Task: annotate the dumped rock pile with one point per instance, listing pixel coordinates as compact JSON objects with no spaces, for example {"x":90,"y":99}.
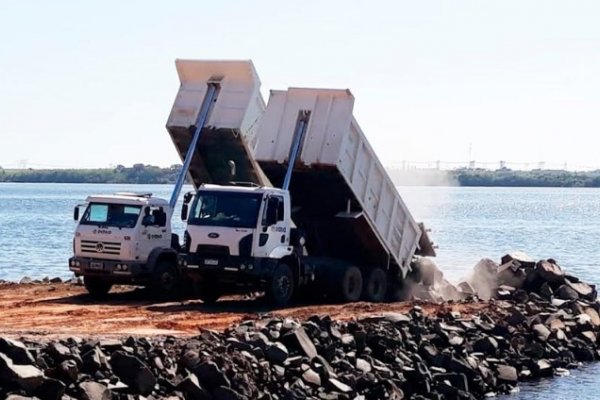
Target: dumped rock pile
{"x":542,"y":327}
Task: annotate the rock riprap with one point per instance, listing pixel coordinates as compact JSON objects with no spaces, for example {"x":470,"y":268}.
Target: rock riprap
{"x":543,"y":324}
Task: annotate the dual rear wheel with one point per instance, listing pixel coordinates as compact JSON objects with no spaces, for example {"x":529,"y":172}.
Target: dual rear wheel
{"x":353,"y":285}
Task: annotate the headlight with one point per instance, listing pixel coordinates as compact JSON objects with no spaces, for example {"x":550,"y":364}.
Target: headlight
{"x":124,"y":267}
{"x":77,"y":264}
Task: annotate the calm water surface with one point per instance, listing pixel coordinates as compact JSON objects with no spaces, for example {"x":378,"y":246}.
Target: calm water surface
{"x":36,"y":229}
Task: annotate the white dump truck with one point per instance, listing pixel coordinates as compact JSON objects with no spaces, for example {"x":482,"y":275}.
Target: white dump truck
{"x":126,"y":238}
{"x":333,"y":224}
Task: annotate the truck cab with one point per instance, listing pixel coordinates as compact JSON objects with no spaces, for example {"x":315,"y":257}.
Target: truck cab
{"x":234,"y":231}
{"x":124,"y":238}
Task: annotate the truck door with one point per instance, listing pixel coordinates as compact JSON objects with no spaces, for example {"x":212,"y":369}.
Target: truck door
{"x":155,"y":231}
{"x":275,"y":231}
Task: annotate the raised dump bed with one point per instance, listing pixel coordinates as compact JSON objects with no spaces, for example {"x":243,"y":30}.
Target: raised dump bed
{"x":342,"y":197}
{"x":230,"y":92}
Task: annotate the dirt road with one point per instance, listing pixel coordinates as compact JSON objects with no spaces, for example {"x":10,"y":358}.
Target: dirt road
{"x":59,"y":310}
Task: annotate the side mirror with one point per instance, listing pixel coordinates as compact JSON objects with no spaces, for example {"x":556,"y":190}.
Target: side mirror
{"x":272,"y":206}
{"x":184,"y":211}
{"x":76,"y":213}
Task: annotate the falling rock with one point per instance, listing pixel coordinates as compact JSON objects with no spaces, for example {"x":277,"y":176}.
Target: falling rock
{"x":484,"y":278}
{"x":27,"y":377}
{"x":549,"y":272}
{"x":16,"y":351}
{"x":276,"y":353}
{"x":133,"y":372}
{"x":94,"y":391}
{"x":511,"y":274}
{"x":507,"y":374}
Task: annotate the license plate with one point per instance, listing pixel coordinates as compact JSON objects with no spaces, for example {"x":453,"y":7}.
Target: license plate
{"x":210,"y":261}
{"x":96,"y":265}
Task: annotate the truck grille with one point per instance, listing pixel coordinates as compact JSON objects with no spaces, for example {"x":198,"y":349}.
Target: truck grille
{"x":208,"y":250}
{"x":96,"y":247}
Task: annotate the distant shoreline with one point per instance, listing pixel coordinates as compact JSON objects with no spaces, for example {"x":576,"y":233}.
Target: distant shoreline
{"x":148,"y":174}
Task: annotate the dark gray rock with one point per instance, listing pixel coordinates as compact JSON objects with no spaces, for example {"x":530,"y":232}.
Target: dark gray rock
{"x":50,"y":389}
{"x":16,"y":351}
{"x":192,"y":389}
{"x":311,"y":377}
{"x":487,"y":345}
{"x":276,"y":353}
{"x":133,"y":372}
{"x":299,"y":340}
{"x":69,"y":370}
{"x":27,"y":377}
{"x":549,"y":272}
{"x":507,"y":373}
{"x":566,"y":292}
{"x":92,"y":360}
{"x":94,"y":391}
{"x":210,"y":375}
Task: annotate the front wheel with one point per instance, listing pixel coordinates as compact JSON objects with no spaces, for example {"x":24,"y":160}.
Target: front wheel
{"x":280,"y":288}
{"x":96,"y":287}
{"x":165,"y":279}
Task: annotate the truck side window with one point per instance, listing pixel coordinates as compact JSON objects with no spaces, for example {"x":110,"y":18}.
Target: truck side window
{"x":280,"y":209}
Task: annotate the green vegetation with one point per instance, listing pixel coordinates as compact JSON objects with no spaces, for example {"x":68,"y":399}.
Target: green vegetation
{"x":140,"y":173}
{"x":534,"y":178}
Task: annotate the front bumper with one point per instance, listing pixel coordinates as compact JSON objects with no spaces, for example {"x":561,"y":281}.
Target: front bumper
{"x":234,"y":269}
{"x":110,"y":269}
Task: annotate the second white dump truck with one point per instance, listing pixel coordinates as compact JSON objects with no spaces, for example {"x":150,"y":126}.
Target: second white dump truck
{"x":126,"y":238}
{"x":333,"y":224}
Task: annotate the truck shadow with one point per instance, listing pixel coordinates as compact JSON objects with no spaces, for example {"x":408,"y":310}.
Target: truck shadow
{"x":143,"y":298}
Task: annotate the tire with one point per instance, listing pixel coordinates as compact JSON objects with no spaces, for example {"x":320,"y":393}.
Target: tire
{"x":165,"y":280}
{"x":280,"y":288}
{"x":209,"y":293}
{"x":376,"y":285}
{"x":350,"y":284}
{"x":96,"y":287}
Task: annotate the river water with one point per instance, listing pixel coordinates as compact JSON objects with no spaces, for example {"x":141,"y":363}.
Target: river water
{"x":467,"y":224}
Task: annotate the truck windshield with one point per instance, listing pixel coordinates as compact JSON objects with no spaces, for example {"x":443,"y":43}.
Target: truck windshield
{"x":106,"y":214}
{"x":229,"y":209}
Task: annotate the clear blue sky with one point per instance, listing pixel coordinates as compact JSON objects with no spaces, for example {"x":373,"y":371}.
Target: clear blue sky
{"x":89,"y":84}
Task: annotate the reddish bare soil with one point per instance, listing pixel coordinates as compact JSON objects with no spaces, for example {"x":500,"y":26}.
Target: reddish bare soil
{"x":57,"y":310}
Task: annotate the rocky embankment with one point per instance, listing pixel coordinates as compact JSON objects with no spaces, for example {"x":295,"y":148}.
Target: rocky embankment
{"x":541,"y":325}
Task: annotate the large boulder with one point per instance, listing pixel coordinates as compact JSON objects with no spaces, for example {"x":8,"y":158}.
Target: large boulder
{"x":133,"y":372}
{"x":27,"y":377}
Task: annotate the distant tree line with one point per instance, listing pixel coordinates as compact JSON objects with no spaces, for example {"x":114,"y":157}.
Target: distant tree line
{"x":533,"y":178}
{"x":140,"y":173}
